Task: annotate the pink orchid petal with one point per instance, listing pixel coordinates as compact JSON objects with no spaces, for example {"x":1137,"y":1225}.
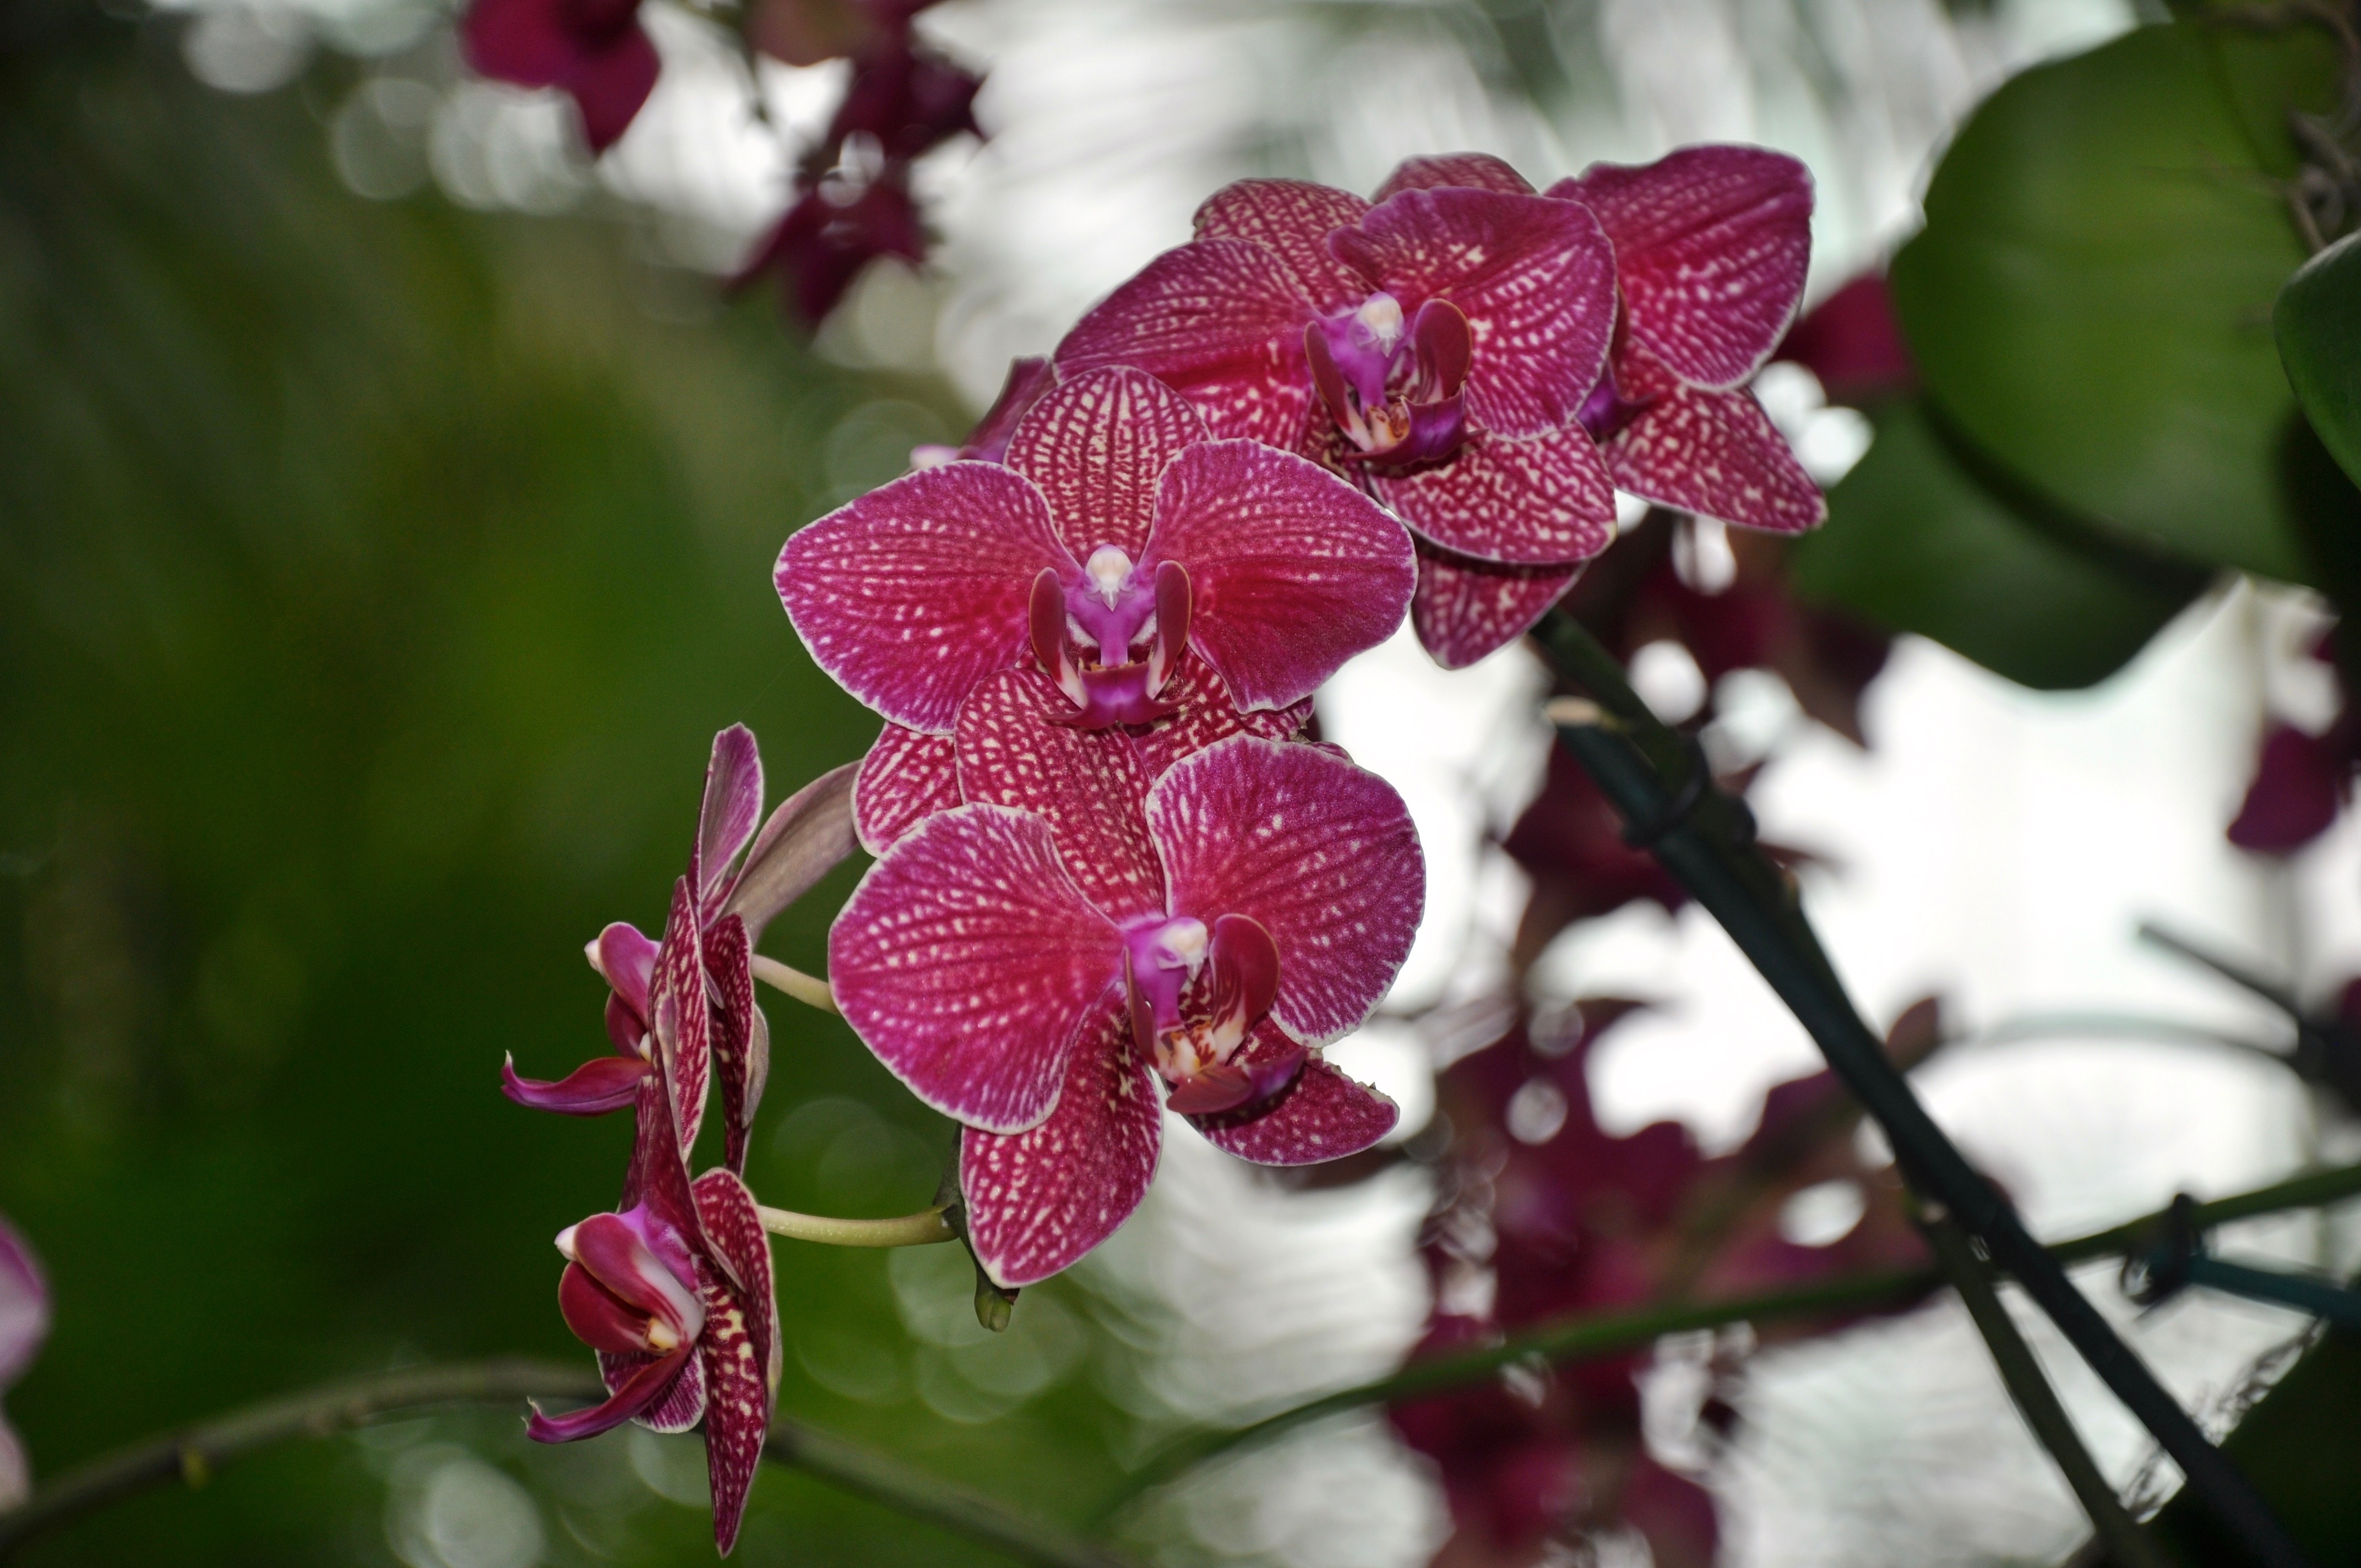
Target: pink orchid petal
{"x":679,"y":1018}
{"x":1292,"y":219}
{"x":1320,"y":852}
{"x":1027,"y":379}
{"x":1711,"y":243}
{"x":599,"y":1318}
{"x":907,"y":776}
{"x":1293,"y":570}
{"x":1322,"y":1115}
{"x":1206,"y":715}
{"x":1096,"y":445}
{"x":1220,"y":322}
{"x":726,"y":820}
{"x":742,"y":1042}
{"x":622,"y":1253}
{"x":597,"y":1087}
{"x":740,"y":1346}
{"x":1717,"y":454}
{"x":626,"y":961}
{"x":1540,"y":501}
{"x":808,"y":835}
{"x":967,"y":961}
{"x":1465,"y":608}
{"x":647,"y":1385}
{"x":612,"y":85}
{"x":1535,"y":281}
{"x":1675,"y":1514}
{"x":678,"y":1409}
{"x":1477,"y":170}
{"x":915,"y":592}
{"x":24,"y":1304}
{"x":1087,"y":784}
{"x":1037,"y":1201}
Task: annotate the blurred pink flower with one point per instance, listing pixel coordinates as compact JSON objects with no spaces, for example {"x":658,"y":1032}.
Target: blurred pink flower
{"x":594,"y":49}
{"x":23,"y":1324}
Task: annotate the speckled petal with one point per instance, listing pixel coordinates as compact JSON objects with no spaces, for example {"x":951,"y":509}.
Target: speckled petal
{"x":1465,"y":608}
{"x":1220,"y":322}
{"x":907,"y":776}
{"x":1291,"y":218}
{"x":967,"y":959}
{"x":1086,"y":783}
{"x":1293,"y":570}
{"x":742,"y":1042}
{"x":1477,"y":170}
{"x":740,"y":1346}
{"x":1096,"y":445}
{"x":732,"y":810}
{"x":1716,"y":453}
{"x":1711,"y":243}
{"x":1207,"y":715}
{"x":1037,"y":1201}
{"x":915,"y":592}
{"x":1322,"y":1115}
{"x":1319,"y":852}
{"x":652,"y":1390}
{"x":685,"y":1033}
{"x":1536,"y":500}
{"x":1535,"y":278}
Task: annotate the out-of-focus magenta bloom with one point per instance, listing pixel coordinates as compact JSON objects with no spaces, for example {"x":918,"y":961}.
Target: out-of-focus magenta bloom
{"x":1033,"y":963}
{"x":2301,"y":781}
{"x":1852,"y":342}
{"x":594,"y":49}
{"x":738,"y":880}
{"x":1438,"y":345}
{"x":23,"y":1324}
{"x":674,"y":1288}
{"x":1118,"y":540}
{"x":835,"y":229}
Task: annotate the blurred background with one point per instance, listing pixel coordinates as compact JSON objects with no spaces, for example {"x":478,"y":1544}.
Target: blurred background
{"x":387,"y":496}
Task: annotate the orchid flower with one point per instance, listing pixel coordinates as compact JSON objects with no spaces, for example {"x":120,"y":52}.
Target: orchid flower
{"x":594,"y":49}
{"x":1034,"y":962}
{"x":1119,"y":540}
{"x":673,"y":1289}
{"x":738,"y":880}
{"x":23,"y":1324}
{"x":1437,"y":345}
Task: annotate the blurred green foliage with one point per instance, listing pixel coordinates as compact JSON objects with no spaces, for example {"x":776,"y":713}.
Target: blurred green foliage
{"x":372,"y":580}
{"x":2318,"y":323}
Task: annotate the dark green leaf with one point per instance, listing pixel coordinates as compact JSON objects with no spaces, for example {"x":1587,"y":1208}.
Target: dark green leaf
{"x":2318,"y":323}
{"x":1920,"y":540}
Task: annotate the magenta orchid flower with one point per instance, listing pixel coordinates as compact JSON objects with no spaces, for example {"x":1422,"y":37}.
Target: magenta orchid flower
{"x":594,"y":49}
{"x":1438,"y":345}
{"x":1033,"y":963}
{"x":1119,"y":540}
{"x":738,"y":880}
{"x":674,"y":1288}
{"x":23,"y":1324}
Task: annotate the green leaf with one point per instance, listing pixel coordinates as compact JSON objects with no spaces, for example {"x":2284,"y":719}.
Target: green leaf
{"x":2318,"y":323}
{"x":2091,"y":295}
{"x":1923,"y":536}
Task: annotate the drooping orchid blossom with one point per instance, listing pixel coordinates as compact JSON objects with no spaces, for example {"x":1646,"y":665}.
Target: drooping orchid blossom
{"x":673,"y":1289}
{"x":594,"y":49}
{"x":1438,"y":345}
{"x":23,"y":1324}
{"x":1118,"y":540}
{"x":738,"y":880}
{"x":1034,"y":962}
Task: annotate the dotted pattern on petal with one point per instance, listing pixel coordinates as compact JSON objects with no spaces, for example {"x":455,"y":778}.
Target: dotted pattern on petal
{"x":915,"y":592}
{"x":1322,"y":852}
{"x":1221,"y":321}
{"x":1206,"y":716}
{"x":1711,"y":245}
{"x":907,"y":776}
{"x":678,"y":1409}
{"x":1322,"y":1115}
{"x":1096,"y":445}
{"x":739,"y":1350}
{"x":1477,"y":170}
{"x":1037,"y":1201}
{"x":966,"y":959}
{"x":1540,"y":501}
{"x":1292,"y":219}
{"x":1293,"y":570}
{"x":1467,"y":609}
{"x":1535,"y":281}
{"x":737,"y":1038}
{"x":731,"y":809}
{"x":680,"y":970}
{"x":1085,"y":784}
{"x":1717,"y":454}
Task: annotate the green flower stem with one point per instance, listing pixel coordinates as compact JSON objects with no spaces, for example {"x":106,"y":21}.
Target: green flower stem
{"x":2128,"y":1546}
{"x":908,"y":1230}
{"x":1651,"y":776}
{"x":192,"y":1454}
{"x":1611,"y":1333}
{"x":807,"y":988}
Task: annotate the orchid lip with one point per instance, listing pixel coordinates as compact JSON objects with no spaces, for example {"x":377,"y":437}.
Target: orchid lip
{"x":1114,"y":606}
{"x":1196,"y":994}
{"x":1394,"y":392}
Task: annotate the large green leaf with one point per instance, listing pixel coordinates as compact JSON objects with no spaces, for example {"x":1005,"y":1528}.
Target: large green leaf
{"x":2089,"y":298}
{"x":2318,"y":323}
{"x":1923,"y":537}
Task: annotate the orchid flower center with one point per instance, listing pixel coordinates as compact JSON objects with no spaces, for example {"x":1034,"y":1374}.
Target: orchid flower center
{"x":630,"y":1283}
{"x":1196,"y":996}
{"x":1393,"y":385}
{"x":1084,"y":631}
